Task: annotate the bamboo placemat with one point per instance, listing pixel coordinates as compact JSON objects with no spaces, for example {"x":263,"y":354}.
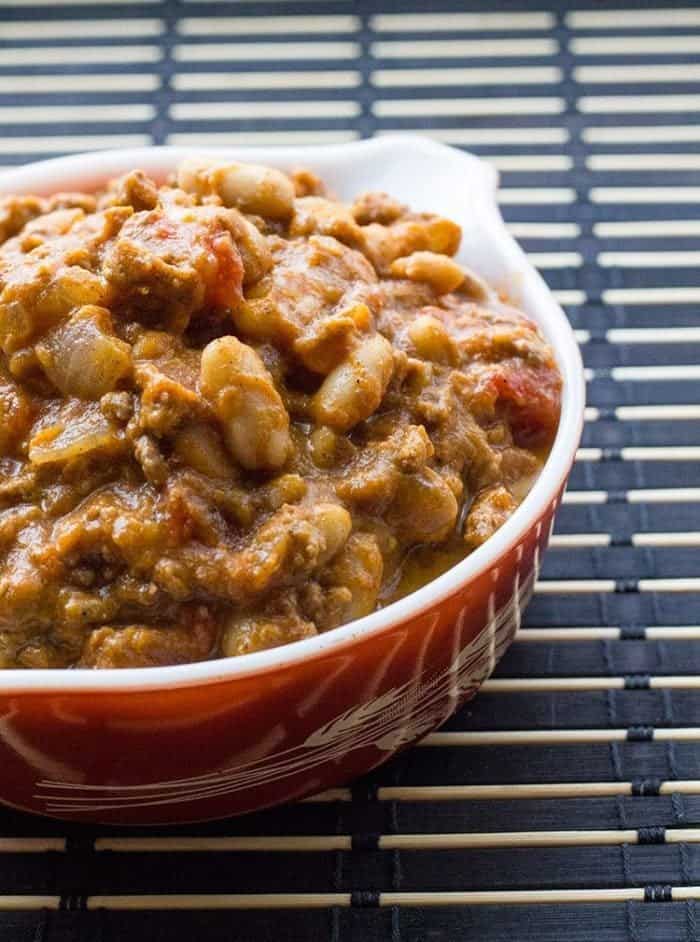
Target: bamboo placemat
{"x":564,"y":803}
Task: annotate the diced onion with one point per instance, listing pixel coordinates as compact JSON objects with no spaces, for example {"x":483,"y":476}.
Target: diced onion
{"x":74,"y":436}
{"x":82,"y":357}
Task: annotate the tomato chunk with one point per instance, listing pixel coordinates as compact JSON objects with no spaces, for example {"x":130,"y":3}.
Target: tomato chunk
{"x":530,"y":397}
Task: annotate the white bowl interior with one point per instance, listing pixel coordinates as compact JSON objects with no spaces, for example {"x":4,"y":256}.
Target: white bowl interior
{"x":429,"y":177}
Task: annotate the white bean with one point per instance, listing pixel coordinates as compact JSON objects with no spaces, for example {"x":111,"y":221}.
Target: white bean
{"x":431,"y":339}
{"x":424,"y":509}
{"x":254,"y":420}
{"x":443,"y":274}
{"x":251,"y":243}
{"x":244,"y":634}
{"x":334,"y":524}
{"x":200,"y":447}
{"x":358,"y":568}
{"x":474,"y":286}
{"x":252,"y":188}
{"x":353,"y":390}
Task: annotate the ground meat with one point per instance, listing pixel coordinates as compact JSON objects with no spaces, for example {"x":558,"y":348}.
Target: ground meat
{"x":85,"y":201}
{"x":153,"y":464}
{"x":247,"y":633}
{"x":377,"y":207}
{"x":166,"y":266}
{"x":307,"y":183}
{"x":133,"y":189}
{"x":235,"y":413}
{"x":16,"y":212}
{"x":152,"y":645}
{"x":315,"y":300}
{"x":490,"y":510}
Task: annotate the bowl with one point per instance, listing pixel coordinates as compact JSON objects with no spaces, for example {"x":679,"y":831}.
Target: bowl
{"x":212,"y":739}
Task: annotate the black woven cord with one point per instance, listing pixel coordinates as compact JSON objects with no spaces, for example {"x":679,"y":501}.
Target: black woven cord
{"x":658,"y":894}
{"x":640,"y":734}
{"x":73,"y":902}
{"x":365,"y":841}
{"x":364,"y":791}
{"x":80,"y":843}
{"x":637,"y":682}
{"x":606,"y":415}
{"x":646,"y":786}
{"x":652,"y":835}
{"x":626,"y":586}
{"x":364,"y":899}
{"x":75,"y":864}
{"x":632,"y":633}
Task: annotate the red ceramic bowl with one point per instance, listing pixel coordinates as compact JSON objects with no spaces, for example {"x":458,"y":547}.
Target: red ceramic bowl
{"x":207,"y":740}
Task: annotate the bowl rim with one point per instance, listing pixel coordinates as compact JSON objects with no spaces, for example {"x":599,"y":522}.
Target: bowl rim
{"x":44,"y":176}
